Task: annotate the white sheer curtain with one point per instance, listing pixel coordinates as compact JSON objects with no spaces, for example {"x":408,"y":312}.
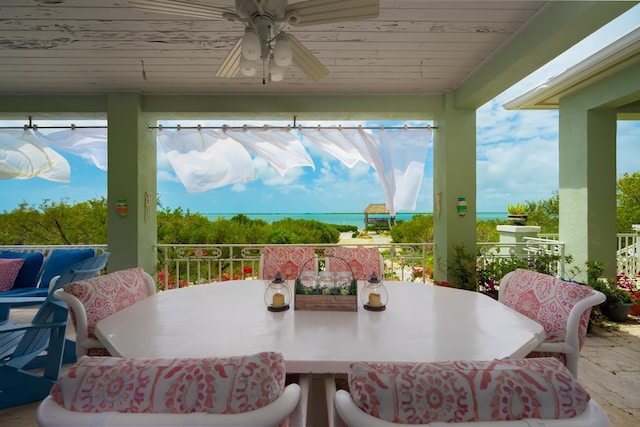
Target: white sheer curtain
{"x":90,"y":143}
{"x":280,"y":147}
{"x":397,"y":155}
{"x":204,"y":158}
{"x":31,"y":153}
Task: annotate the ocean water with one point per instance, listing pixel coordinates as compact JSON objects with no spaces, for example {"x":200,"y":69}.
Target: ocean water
{"x":340,"y":218}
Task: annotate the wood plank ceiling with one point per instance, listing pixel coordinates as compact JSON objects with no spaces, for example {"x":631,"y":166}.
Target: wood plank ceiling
{"x":79,"y":46}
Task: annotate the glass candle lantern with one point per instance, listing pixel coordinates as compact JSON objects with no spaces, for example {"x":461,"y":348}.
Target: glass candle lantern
{"x":374,"y":295}
{"x":277,"y":296}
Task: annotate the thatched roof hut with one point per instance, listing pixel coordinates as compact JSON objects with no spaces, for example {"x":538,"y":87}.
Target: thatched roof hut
{"x":378,"y":215}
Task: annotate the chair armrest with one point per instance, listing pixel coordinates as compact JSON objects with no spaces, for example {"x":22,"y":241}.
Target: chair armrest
{"x":21,"y":300}
{"x":78,"y":311}
{"x":573,"y":321}
{"x":351,"y":414}
{"x":15,"y":327}
{"x":52,"y":414}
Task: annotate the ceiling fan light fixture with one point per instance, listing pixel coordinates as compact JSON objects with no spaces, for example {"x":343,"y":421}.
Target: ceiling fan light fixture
{"x":251,"y":47}
{"x":247,"y":68}
{"x":282,"y":54}
{"x":276,"y":72}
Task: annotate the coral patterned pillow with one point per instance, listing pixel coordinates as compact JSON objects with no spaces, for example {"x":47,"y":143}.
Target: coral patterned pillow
{"x":104,"y":295}
{"x":464,"y":391}
{"x":185,"y":385}
{"x":9,"y":269}
{"x":361,"y":261}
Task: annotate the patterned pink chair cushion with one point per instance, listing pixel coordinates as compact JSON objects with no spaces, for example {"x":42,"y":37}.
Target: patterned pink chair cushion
{"x":362,"y":261}
{"x":222,"y":386}
{"x":104,"y":295}
{"x":9,"y":269}
{"x":288,"y":260}
{"x":547,"y":300}
{"x":465,"y":391}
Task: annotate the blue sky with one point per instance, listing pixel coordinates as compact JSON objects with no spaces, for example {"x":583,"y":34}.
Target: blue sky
{"x":528,"y":139}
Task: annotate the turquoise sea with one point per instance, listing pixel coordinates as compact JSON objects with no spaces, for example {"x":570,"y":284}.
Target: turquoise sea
{"x":341,"y":218}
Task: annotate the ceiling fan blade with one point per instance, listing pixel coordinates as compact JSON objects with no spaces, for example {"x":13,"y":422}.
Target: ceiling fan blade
{"x":313,"y":12}
{"x":304,"y":59}
{"x":231,"y":64}
{"x":183,"y":8}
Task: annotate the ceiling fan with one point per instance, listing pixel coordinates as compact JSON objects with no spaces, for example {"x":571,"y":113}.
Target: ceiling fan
{"x":264,"y":40}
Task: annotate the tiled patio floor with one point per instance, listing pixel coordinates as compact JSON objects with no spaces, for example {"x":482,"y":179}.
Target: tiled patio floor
{"x":609,"y":369}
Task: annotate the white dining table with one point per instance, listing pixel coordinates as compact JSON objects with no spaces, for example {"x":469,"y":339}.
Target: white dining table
{"x":422,"y":322}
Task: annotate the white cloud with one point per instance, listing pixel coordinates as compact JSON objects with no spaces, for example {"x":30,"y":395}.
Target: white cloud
{"x":167,"y":176}
{"x":517,"y":156}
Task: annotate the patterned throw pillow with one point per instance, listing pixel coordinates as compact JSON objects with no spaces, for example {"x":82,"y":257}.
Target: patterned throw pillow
{"x":9,"y":269}
{"x":227,"y":385}
{"x":467,"y":391}
{"x":30,"y":271}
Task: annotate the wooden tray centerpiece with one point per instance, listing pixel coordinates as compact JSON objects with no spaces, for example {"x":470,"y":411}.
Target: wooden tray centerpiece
{"x":317,"y":297}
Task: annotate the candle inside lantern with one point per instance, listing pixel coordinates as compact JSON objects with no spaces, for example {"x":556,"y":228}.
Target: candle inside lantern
{"x":278,"y":300}
{"x":374,"y":300}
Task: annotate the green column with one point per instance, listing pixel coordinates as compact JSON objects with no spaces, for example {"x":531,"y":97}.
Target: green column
{"x":454,"y":177}
{"x":132,"y":180}
{"x":587,"y":189}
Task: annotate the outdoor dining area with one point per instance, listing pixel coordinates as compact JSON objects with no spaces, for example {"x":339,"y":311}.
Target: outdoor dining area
{"x":255,"y":352}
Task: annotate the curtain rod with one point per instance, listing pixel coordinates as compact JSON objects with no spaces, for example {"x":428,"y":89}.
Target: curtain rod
{"x":36,"y":127}
{"x":289,"y":127}
{"x":223,"y":127}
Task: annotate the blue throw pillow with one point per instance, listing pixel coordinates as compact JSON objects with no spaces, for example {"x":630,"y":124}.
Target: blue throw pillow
{"x":30,"y":271}
{"x":61,"y":259}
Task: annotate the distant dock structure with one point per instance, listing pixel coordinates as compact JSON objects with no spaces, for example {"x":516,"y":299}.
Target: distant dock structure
{"x":378,"y":216}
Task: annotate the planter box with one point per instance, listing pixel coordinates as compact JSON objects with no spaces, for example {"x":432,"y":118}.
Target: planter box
{"x":325,"y":302}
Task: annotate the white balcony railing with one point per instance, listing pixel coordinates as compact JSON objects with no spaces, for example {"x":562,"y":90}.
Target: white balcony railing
{"x":181,"y":265}
{"x":627,"y":254}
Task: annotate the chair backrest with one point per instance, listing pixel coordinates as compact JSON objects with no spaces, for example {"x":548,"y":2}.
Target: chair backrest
{"x":80,"y":271}
{"x":53,"y":311}
{"x":362,"y":261}
{"x":92,"y":300}
{"x":550,"y":301}
{"x":237,"y":390}
{"x":59,"y":261}
{"x":288,"y":260}
{"x":467,"y":391}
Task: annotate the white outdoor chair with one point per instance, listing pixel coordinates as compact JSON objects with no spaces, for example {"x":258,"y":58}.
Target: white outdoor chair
{"x":288,"y":260}
{"x":498,"y":393}
{"x":562,"y":308}
{"x":231,"y":391}
{"x":94,"y":299}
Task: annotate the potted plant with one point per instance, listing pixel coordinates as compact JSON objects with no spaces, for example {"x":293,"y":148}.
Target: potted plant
{"x":517,"y":214}
{"x":622,"y":293}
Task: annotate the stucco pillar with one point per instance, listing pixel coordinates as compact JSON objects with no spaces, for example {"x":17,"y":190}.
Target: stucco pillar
{"x":454,"y":176}
{"x":132,"y":178}
{"x":587,"y":189}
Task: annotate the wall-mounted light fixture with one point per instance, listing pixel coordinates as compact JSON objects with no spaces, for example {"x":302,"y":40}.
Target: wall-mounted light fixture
{"x":462,"y":206}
